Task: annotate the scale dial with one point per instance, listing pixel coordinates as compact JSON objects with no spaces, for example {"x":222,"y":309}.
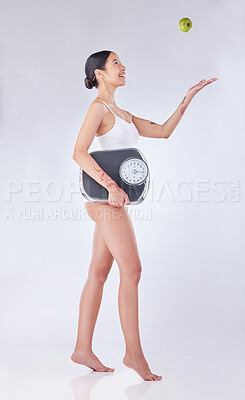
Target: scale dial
{"x":133,"y":171}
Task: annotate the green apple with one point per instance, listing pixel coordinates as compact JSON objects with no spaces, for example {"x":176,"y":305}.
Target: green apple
{"x":185,"y":24}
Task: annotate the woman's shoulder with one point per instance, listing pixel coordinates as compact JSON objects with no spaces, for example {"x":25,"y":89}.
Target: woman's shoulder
{"x":97,"y":106}
{"x":101,"y":104}
{"x":97,"y":103}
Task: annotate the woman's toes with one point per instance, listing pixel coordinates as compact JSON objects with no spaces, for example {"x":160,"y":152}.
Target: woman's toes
{"x":157,"y":377}
{"x":106,"y":369}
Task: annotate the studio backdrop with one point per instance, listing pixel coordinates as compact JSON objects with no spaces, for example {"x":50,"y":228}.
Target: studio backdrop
{"x":189,"y":228}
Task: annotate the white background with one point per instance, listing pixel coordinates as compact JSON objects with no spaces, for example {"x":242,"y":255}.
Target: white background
{"x":191,"y":293}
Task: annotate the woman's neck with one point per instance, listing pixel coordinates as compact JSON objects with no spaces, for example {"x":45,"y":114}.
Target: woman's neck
{"x":107,"y":96}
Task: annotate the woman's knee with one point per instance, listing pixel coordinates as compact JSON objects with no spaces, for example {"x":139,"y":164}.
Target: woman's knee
{"x":99,"y":273}
{"x":131,"y":273}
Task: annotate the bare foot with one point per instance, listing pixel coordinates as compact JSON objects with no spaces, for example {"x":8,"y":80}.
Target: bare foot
{"x":90,"y":360}
{"x":140,"y":365}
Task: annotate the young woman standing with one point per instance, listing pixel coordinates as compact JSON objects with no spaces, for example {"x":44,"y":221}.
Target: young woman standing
{"x":114,"y":236}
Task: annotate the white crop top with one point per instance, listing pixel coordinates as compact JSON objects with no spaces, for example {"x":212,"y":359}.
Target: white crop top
{"x":123,"y":134}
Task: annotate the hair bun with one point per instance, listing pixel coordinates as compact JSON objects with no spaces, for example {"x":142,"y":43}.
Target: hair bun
{"x":88,"y":83}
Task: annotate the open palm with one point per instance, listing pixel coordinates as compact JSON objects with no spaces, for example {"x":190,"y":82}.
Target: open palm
{"x":195,"y":89}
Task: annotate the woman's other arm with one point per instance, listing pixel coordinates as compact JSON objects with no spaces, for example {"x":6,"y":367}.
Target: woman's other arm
{"x":150,"y":129}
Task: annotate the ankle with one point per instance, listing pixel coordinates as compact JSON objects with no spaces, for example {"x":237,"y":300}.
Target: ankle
{"x":80,"y":348}
{"x":134,"y":352}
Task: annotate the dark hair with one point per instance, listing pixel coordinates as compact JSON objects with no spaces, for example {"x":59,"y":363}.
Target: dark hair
{"x":95,"y":61}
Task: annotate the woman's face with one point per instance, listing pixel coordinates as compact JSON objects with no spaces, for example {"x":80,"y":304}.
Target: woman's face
{"x":113,"y":69}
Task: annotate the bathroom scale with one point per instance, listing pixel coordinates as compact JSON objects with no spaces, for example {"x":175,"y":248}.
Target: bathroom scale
{"x":127,"y":167}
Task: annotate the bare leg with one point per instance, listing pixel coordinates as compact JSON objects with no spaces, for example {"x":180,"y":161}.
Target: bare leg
{"x":118,"y":233}
{"x":90,"y":301}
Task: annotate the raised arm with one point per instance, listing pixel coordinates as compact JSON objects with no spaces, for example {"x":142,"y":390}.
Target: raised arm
{"x":150,"y":129}
{"x":85,"y":137}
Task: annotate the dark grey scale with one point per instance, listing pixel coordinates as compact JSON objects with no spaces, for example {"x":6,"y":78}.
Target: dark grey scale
{"x":127,"y":167}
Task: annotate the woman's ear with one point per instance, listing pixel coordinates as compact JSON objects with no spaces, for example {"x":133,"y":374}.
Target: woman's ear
{"x":98,"y":74}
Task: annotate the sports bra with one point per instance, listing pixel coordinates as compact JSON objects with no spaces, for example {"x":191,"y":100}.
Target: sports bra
{"x":123,"y":134}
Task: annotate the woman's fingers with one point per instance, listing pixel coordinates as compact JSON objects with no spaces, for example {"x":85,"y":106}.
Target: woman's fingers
{"x":210,"y":81}
{"x":127,"y":200}
{"x":204,"y":82}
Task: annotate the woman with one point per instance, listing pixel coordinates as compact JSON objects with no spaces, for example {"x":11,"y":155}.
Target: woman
{"x":114,"y":236}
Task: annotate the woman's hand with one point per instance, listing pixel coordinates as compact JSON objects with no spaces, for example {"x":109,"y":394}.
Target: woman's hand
{"x":117,"y":197}
{"x":195,"y":89}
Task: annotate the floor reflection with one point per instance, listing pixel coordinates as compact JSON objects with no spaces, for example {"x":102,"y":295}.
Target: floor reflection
{"x":82,"y":386}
